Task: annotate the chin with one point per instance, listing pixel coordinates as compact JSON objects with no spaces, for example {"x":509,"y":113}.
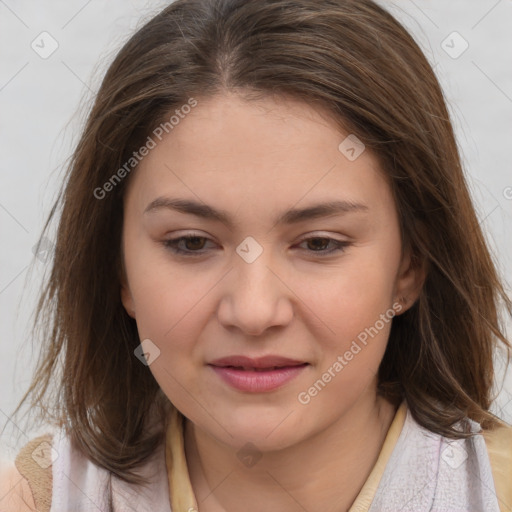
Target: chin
{"x":268,"y":432}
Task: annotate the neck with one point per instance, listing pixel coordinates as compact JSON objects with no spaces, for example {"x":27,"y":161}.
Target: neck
{"x":305,"y":476}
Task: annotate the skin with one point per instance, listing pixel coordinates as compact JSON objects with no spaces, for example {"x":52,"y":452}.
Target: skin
{"x":255,"y":160}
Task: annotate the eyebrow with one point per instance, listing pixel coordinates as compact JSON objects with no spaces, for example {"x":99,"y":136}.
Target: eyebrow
{"x":292,"y":216}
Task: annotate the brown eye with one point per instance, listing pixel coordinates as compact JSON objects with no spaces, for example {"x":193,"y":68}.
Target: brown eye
{"x":319,"y":245}
{"x":192,"y":246}
{"x":194,"y":242}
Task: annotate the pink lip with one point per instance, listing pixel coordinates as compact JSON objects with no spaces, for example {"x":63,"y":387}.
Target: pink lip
{"x":259,"y":374}
{"x":256,"y":362}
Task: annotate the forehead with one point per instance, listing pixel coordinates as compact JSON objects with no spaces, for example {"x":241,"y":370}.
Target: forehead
{"x":268,"y":152}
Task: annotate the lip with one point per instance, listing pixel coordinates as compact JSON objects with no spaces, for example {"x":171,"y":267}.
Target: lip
{"x":265,"y":362}
{"x":257,"y":375}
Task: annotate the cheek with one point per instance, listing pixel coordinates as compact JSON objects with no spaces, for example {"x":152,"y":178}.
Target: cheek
{"x":173,"y":306}
{"x":170,"y":309}
{"x":355,"y":297}
{"x":163,"y":292}
{"x":171,"y":314}
{"x":357,"y":311}
{"x":354,"y":306}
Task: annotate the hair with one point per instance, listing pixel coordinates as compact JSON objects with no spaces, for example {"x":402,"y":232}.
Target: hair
{"x":356,"y":61}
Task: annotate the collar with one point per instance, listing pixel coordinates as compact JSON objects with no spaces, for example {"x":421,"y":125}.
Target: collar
{"x":182,"y":496}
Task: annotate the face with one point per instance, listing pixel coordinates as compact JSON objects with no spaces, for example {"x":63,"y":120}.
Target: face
{"x":261,"y":274}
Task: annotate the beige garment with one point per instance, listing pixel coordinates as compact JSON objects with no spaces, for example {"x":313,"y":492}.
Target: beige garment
{"x":182,"y":494}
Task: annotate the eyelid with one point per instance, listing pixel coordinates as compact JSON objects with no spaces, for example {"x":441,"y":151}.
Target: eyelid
{"x":316,"y":234}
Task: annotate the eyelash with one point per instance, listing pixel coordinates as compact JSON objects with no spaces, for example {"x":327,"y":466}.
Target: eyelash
{"x":172,"y":245}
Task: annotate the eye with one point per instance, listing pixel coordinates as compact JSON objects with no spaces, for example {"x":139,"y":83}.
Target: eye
{"x":320,"y":243}
{"x":193,"y":245}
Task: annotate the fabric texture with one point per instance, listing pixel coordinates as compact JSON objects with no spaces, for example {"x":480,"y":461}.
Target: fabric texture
{"x":34,"y":463}
{"x":367,"y":493}
{"x":80,"y":485}
{"x":415,"y":471}
{"x":428,"y":472}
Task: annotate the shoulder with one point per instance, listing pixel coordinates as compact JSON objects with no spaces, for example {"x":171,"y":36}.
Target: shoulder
{"x":26,"y":484}
{"x":499,"y":444}
{"x":499,"y":448}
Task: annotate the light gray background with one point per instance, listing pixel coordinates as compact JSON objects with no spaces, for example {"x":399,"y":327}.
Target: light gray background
{"x":40,"y":121}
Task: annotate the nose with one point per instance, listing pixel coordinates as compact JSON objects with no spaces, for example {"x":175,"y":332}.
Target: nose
{"x":255,"y":298}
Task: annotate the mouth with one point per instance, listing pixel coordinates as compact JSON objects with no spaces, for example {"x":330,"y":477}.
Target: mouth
{"x":257,"y":375}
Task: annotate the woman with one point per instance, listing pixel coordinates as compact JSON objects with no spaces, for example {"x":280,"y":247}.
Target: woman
{"x":328,"y":343}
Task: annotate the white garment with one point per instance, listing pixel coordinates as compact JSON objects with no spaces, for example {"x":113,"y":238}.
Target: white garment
{"x":426,"y":472}
{"x":81,"y":486}
{"x":429,"y":472}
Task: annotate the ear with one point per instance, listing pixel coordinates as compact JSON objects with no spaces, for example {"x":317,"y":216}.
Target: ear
{"x":126,"y":294}
{"x":127,"y":300}
{"x":409,"y":281}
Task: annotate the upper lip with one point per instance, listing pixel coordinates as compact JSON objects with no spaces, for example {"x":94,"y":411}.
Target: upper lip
{"x":269,"y":361}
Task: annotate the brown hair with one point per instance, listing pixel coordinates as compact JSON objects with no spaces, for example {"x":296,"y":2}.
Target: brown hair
{"x":349,"y":56}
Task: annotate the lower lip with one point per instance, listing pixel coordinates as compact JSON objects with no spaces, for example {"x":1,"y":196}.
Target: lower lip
{"x":258,"y":382}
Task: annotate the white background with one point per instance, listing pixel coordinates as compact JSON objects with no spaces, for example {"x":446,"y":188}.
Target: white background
{"x":40,"y":121}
